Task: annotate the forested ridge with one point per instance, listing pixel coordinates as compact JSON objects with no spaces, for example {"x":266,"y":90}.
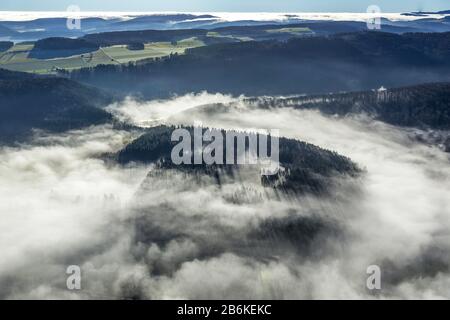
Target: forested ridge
{"x":344,"y":62}
{"x":305,"y":167}
{"x":55,"y":104}
{"x":424,"y":106}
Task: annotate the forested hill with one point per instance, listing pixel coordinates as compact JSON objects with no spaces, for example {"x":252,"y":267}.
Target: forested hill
{"x":5,"y":45}
{"x":306,"y":167}
{"x":13,"y":75}
{"x":345,"y":62}
{"x":423,"y":106}
{"x":55,"y":104}
{"x":127,"y":37}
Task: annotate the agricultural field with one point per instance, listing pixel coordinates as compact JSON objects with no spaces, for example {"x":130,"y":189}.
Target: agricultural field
{"x":214,"y":34}
{"x":294,"y":31}
{"x":17,"y":58}
{"x":120,"y":53}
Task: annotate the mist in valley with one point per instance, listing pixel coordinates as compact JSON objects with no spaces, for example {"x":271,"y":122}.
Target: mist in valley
{"x":167,"y":236}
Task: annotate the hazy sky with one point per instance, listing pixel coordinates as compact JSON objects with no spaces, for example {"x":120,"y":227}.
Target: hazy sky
{"x":227,"y":5}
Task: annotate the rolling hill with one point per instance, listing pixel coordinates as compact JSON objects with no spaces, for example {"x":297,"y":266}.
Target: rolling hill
{"x":54,"y":104}
{"x":344,"y":62}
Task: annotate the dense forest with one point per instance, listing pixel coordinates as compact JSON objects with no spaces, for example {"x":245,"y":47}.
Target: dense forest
{"x":61,"y":47}
{"x":5,"y":45}
{"x":306,"y":168}
{"x":344,"y":62}
{"x":54,"y":104}
{"x":15,"y":75}
{"x":423,"y":106}
{"x":63,"y":44}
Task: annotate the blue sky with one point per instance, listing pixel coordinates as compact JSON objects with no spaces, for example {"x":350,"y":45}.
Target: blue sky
{"x":227,"y":5}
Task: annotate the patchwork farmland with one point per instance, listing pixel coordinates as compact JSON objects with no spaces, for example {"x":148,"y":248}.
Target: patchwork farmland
{"x":18,"y":57}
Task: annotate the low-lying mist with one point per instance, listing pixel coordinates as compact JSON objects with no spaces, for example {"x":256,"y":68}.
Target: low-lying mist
{"x":167,"y":236}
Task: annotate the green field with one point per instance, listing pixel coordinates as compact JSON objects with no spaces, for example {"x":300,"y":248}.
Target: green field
{"x":17,"y":59}
{"x":214,"y":34}
{"x":121,"y":54}
{"x":295,"y":31}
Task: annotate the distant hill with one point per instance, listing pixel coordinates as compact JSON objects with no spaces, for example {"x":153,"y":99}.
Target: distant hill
{"x":47,"y":27}
{"x":431,"y":12}
{"x":163,"y":19}
{"x":306,"y":168}
{"x":56,"y":27}
{"x":258,"y":31}
{"x":6,"y":32}
{"x":53,"y":104}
